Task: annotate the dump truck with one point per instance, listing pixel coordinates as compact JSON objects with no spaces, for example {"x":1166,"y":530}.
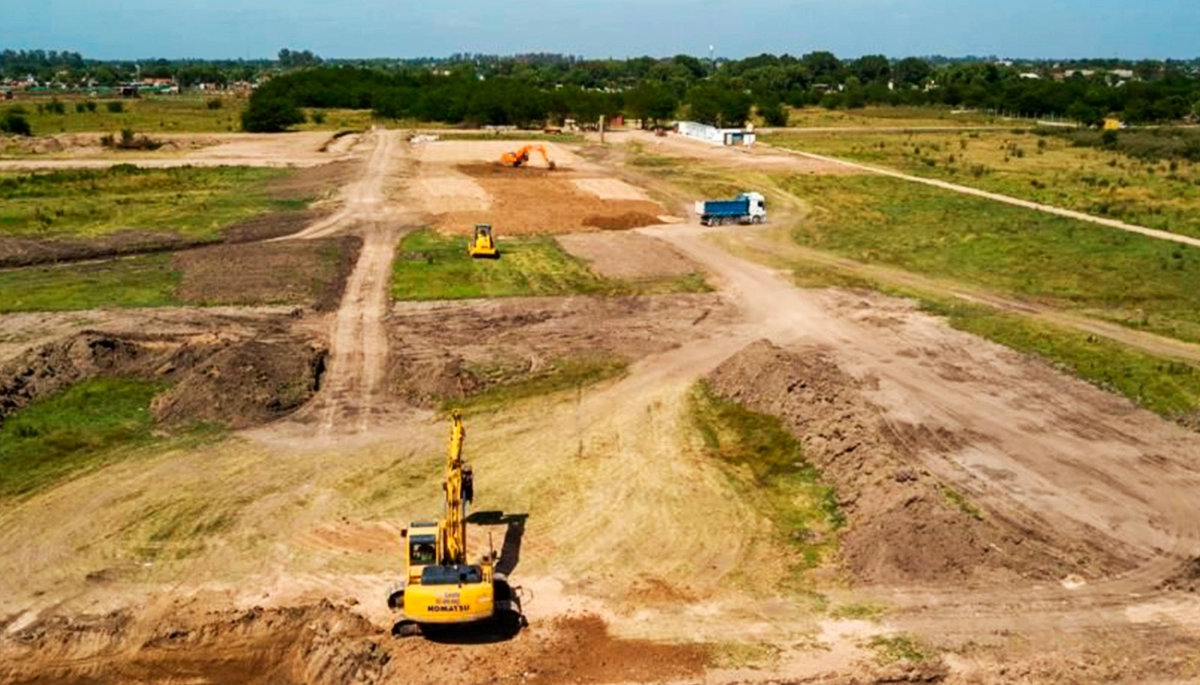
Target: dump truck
{"x":441,"y":586}
{"x":747,"y":208}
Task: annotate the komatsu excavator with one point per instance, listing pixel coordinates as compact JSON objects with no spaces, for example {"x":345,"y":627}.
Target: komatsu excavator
{"x":521,"y":157}
{"x":441,"y":587}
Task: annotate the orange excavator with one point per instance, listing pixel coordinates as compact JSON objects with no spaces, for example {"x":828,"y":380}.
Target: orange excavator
{"x":521,"y":157}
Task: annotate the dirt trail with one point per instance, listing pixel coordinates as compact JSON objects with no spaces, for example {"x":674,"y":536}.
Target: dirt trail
{"x":354,"y":386}
{"x":774,"y":245}
{"x":1030,"y":442}
{"x":965,"y":190}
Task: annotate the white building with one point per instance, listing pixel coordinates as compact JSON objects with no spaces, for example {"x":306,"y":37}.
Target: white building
{"x":718,"y":136}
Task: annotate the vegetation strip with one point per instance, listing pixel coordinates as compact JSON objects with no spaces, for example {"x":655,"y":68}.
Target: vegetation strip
{"x":767,"y":465}
{"x":72,"y":430}
{"x":435,"y":267}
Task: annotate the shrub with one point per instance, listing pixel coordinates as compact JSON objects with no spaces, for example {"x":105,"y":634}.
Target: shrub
{"x":115,"y":107}
{"x":317,"y":118}
{"x":215,"y":103}
{"x":90,"y":105}
{"x":56,"y":107}
{"x":80,"y":108}
{"x":15,"y":124}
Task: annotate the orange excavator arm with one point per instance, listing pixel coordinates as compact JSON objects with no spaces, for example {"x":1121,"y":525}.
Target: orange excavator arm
{"x":520,"y":157}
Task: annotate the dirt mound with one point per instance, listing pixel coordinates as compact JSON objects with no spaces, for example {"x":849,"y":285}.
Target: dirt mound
{"x":903,"y":524}
{"x":487,"y":170}
{"x":219,"y":378}
{"x":312,"y":644}
{"x":17,"y":252}
{"x":324,"y":643}
{"x":245,"y":385}
{"x":622,"y":222}
{"x":1186,"y":578}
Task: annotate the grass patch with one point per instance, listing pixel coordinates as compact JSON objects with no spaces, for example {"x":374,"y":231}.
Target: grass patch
{"x":148,"y":115}
{"x":767,"y":465}
{"x":73,"y":430}
{"x":888,"y":117}
{"x":148,"y":281}
{"x":436,"y":267}
{"x":566,"y":373}
{"x":1103,"y":273}
{"x":1166,"y":387}
{"x":959,"y":501}
{"x":1138,"y":187}
{"x":858,"y":612}
{"x":191,"y":202}
{"x":893,"y":649}
{"x":738,"y":655}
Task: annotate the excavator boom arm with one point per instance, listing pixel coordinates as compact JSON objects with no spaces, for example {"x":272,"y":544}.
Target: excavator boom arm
{"x":452,"y":542}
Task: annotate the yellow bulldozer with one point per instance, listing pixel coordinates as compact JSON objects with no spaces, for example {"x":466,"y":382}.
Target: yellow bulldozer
{"x":520,"y":157}
{"x":483,"y":245}
{"x":441,"y":587}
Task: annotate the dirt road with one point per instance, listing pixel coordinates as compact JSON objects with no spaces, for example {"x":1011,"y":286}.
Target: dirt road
{"x":354,"y":384}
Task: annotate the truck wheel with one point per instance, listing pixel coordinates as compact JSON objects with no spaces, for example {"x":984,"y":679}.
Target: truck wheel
{"x":756,"y":220}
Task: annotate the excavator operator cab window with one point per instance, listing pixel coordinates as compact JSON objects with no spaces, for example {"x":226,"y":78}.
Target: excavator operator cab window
{"x":421,"y":550}
{"x":451,"y":575}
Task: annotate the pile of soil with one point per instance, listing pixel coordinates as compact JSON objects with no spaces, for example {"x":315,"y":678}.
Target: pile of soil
{"x":17,"y":252}
{"x":1186,"y":578}
{"x":324,"y":643}
{"x":904,"y":526}
{"x":622,"y":222}
{"x":312,"y":644}
{"x":238,"y":382}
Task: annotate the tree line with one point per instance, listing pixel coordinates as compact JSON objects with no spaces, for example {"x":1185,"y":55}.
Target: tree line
{"x":546,"y":90}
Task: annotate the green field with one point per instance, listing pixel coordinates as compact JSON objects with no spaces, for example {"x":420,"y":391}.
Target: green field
{"x":1129,"y":279}
{"x":887,"y":117}
{"x":164,"y":114}
{"x":435,"y":267}
{"x":147,"y":281}
{"x":556,"y":375}
{"x":73,"y":430}
{"x":192,"y":202}
{"x":1162,"y":194}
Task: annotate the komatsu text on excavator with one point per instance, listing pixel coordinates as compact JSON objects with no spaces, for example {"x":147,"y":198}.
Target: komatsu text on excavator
{"x":441,"y":586}
{"x":521,"y":157}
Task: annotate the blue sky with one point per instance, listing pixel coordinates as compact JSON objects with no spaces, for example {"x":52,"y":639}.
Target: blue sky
{"x":612,"y":28}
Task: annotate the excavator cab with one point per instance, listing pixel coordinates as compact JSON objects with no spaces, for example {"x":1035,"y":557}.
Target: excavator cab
{"x":483,"y":245}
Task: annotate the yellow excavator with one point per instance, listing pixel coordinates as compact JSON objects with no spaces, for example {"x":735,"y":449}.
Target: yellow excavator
{"x":483,"y":245}
{"x":441,"y":587}
{"x":521,"y":157}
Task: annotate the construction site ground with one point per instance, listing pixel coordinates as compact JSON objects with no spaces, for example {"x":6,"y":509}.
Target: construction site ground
{"x":1004,"y":522}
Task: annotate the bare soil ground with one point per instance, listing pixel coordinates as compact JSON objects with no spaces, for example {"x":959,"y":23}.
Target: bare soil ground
{"x":312,"y":272}
{"x":309,"y":149}
{"x":1016,"y":524}
{"x":442,"y":346}
{"x":627,"y":255}
{"x":464,"y":184}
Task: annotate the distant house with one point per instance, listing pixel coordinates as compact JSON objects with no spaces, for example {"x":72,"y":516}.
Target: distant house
{"x":1031,"y":76}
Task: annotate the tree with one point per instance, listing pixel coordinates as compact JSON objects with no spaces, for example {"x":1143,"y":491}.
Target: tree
{"x":824,"y":67}
{"x":872,"y":68}
{"x":15,"y":124}
{"x":912,"y":71}
{"x":270,"y":115}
